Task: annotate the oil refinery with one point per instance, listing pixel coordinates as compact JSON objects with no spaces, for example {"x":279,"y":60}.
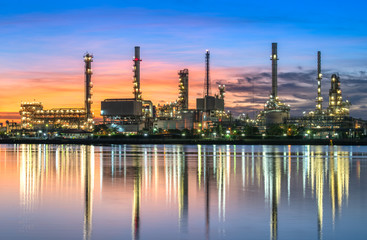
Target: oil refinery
{"x":137,"y":116}
{"x":34,"y":117}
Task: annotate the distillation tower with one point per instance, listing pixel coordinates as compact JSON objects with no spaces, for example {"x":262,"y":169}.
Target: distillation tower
{"x":88,"y":59}
{"x":337,"y":107}
{"x":183,"y":98}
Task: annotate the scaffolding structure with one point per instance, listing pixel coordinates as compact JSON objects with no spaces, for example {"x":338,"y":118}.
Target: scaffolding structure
{"x":183,"y":87}
{"x":337,"y":107}
{"x":33,"y":116}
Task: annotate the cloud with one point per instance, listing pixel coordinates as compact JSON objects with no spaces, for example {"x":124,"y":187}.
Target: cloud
{"x":247,"y":92}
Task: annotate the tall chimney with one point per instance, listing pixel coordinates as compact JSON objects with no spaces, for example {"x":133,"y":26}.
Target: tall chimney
{"x":88,"y":59}
{"x":207,"y":79}
{"x":274,"y":73}
{"x":319,"y":99}
{"x":137,"y":60}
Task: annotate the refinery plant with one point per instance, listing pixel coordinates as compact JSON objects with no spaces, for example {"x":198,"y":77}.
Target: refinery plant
{"x":139,"y":116}
{"x":131,"y":115}
{"x":275,"y":112}
{"x":34,"y":117}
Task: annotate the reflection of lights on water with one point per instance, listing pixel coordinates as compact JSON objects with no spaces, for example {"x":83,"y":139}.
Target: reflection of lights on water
{"x":199,"y":165}
{"x":322,"y":170}
{"x":243,"y":168}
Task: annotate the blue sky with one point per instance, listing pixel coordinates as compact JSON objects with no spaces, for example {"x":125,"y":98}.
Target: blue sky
{"x":42,"y":43}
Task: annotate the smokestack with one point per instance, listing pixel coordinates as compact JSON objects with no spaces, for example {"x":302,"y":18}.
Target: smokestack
{"x":274,"y":73}
{"x":137,"y":60}
{"x":88,"y":59}
{"x":319,"y":99}
{"x":207,"y":79}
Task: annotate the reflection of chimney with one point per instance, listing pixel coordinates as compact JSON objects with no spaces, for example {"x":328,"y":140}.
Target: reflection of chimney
{"x":274,"y":205}
{"x":319,"y":194}
{"x":136,"y":204}
{"x":274,"y":73}
{"x":88,"y":192}
{"x":207,"y":203}
{"x":184,"y":195}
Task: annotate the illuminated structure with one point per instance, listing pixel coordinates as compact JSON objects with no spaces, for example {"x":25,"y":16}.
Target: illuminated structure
{"x":136,"y":70}
{"x":337,"y":107}
{"x":209,"y":104}
{"x":334,"y":122}
{"x":33,"y":116}
{"x":210,"y":108}
{"x":275,"y":112}
{"x":222,"y":91}
{"x":319,"y":98}
{"x":175,"y":109}
{"x":88,"y":59}
{"x":183,"y":98}
{"x":129,"y":114}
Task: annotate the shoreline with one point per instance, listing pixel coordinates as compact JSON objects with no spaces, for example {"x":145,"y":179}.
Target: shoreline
{"x":109,"y":141}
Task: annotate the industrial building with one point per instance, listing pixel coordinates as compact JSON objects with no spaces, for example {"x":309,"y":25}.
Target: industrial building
{"x":210,"y":104}
{"x":275,"y":111}
{"x":181,"y":105}
{"x":34,"y":116}
{"x":129,"y":114}
{"x":334,"y":121}
{"x":211,"y":108}
{"x":176,"y":115}
{"x":134,"y":115}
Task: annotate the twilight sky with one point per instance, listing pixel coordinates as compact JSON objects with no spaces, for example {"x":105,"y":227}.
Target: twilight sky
{"x":42,"y":44}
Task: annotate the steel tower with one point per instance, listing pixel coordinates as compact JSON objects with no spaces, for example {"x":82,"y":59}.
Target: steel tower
{"x":207,"y":79}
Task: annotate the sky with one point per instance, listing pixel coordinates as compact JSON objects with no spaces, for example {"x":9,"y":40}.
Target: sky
{"x":42,"y":45}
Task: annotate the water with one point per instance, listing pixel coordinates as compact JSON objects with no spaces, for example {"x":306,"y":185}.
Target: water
{"x":183,"y":192}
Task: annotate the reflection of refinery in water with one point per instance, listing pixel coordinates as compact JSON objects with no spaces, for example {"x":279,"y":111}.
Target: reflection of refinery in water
{"x":167,"y":169}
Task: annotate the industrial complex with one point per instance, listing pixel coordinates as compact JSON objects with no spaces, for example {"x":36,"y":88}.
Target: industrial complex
{"x":34,"y":117}
{"x":137,"y":115}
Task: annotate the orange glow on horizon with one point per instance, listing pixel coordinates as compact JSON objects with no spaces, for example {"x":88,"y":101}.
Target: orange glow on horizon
{"x":113,"y":79}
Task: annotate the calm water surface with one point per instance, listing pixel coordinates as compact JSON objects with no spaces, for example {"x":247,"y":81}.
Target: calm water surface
{"x":183,"y":192}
